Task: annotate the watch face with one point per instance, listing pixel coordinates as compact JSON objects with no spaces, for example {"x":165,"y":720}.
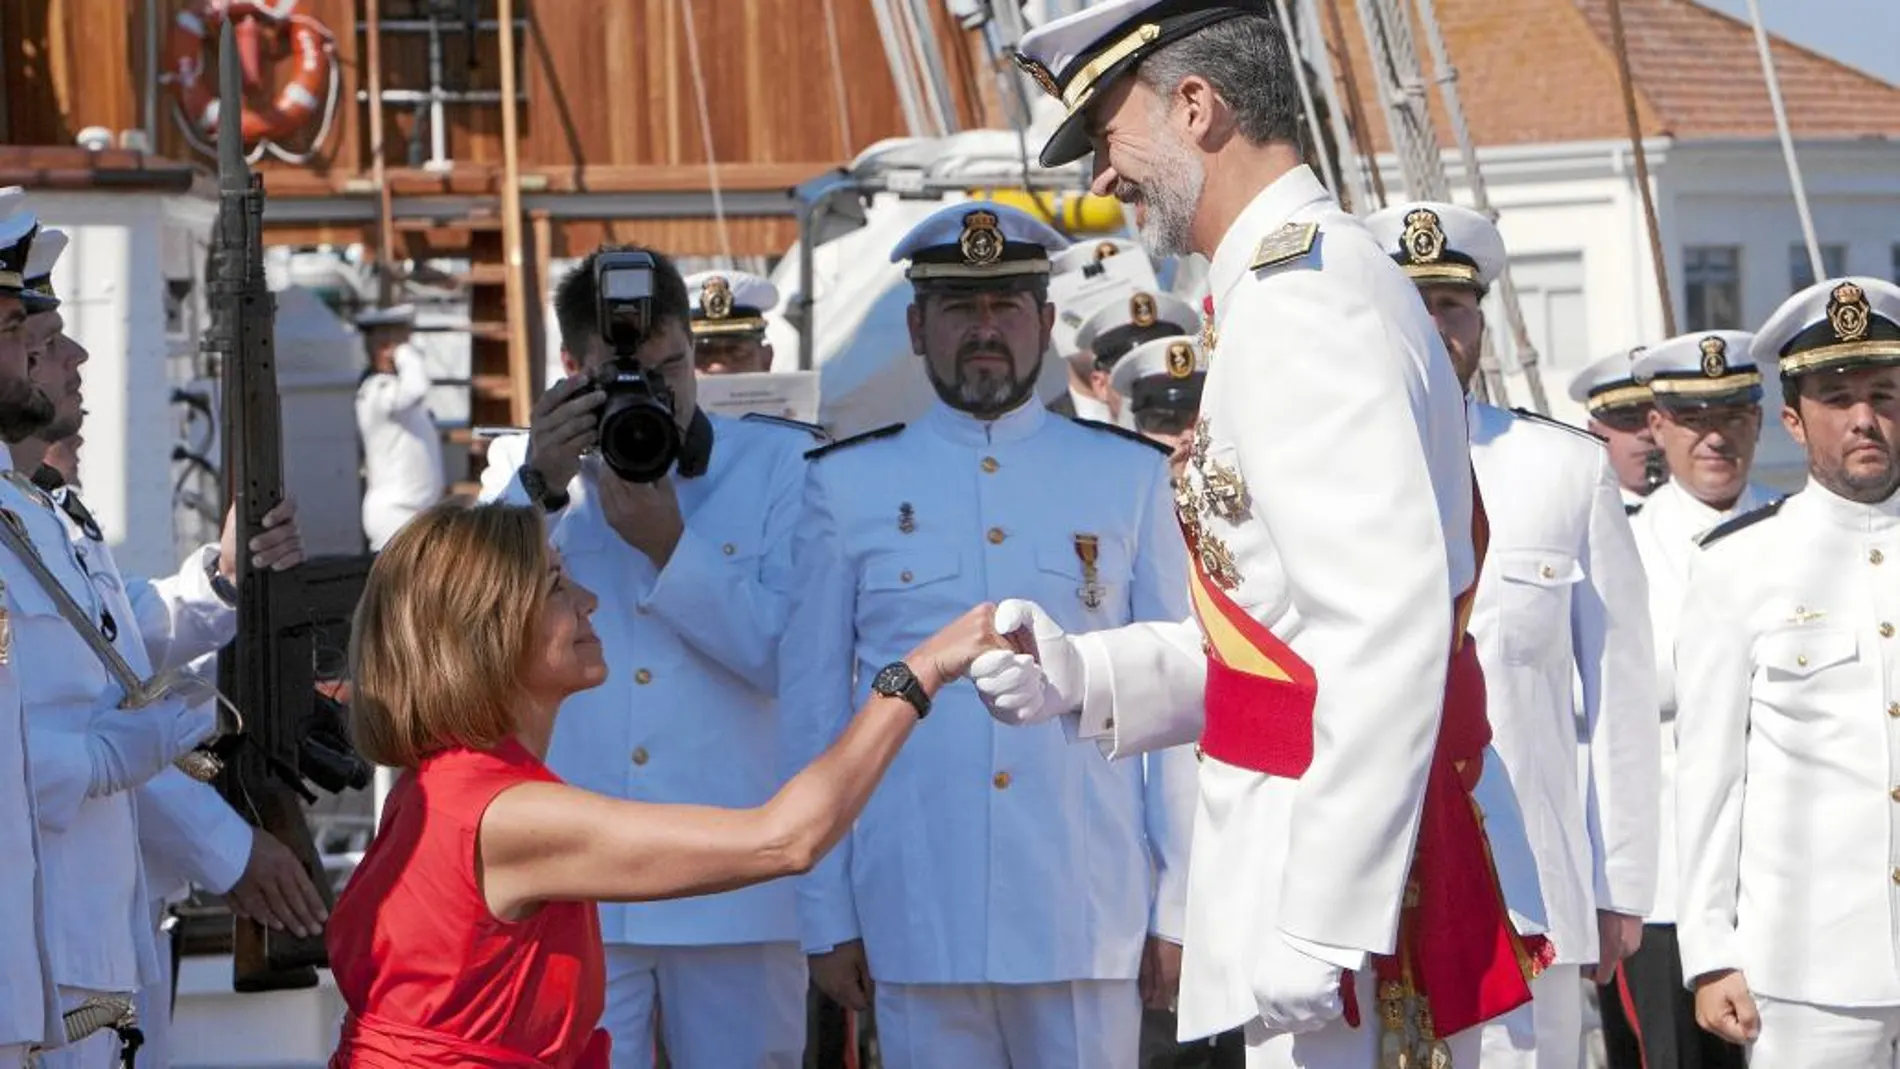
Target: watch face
{"x":891,"y":680}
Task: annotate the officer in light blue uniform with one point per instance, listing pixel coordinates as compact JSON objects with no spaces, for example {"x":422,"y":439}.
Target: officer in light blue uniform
{"x":693,"y":572}
{"x":1004,"y":890}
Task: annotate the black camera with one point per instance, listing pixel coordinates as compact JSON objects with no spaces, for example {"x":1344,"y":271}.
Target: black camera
{"x":639,"y":432}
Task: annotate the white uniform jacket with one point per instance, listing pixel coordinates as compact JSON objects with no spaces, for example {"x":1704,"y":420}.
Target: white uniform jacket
{"x":402,"y":450}
{"x":688,"y":712}
{"x":1666,"y":529}
{"x":29,"y":1007}
{"x":98,"y":911}
{"x":188,"y":834}
{"x":1330,"y":398}
{"x":989,"y":854}
{"x":1562,"y":596}
{"x":1787,"y":680}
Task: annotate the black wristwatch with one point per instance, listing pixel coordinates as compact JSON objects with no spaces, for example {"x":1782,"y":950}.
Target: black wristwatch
{"x":535,"y":485}
{"x":896,"y":680}
{"x":225,"y":589}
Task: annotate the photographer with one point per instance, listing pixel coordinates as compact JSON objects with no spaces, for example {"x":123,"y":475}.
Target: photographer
{"x":681,"y":522}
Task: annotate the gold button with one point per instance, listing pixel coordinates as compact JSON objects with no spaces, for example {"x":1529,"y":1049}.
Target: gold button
{"x":1896,"y":794}
{"x":1896,"y":875}
{"x":728,"y":549}
{"x":996,"y":536}
{"x":1547,"y":572}
{"x":1886,"y":630}
{"x":1874,"y":556}
{"x":643,"y":677}
{"x":1801,"y":659}
{"x":990,"y":465}
{"x":639,"y":755}
{"x":904,"y":577}
{"x":1001,"y":780}
{"x":1893,"y":710}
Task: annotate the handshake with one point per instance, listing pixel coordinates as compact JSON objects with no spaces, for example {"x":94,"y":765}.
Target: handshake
{"x":1037,"y":676}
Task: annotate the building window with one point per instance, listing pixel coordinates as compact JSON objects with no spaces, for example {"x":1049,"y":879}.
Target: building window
{"x":1712,"y":287}
{"x":1550,"y":294}
{"x":1801,"y":272}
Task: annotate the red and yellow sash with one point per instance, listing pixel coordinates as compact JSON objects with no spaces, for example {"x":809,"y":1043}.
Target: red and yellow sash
{"x":1458,"y":958}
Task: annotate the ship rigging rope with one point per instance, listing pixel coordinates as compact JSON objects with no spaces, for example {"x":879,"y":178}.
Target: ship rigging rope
{"x":705,"y":132}
{"x":1815,"y":263}
{"x":1306,"y":98}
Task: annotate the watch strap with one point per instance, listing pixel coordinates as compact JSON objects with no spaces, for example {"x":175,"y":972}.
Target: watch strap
{"x":535,"y":485}
{"x":896,"y":680}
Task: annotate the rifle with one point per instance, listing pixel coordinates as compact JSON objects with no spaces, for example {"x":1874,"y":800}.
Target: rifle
{"x":268,"y":672}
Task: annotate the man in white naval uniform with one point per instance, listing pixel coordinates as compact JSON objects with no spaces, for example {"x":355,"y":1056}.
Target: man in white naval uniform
{"x":87,"y":754}
{"x":402,"y":450}
{"x":1008,"y":894}
{"x":1114,"y":329}
{"x":728,"y":310}
{"x":693,"y":572}
{"x":1786,"y":680}
{"x":1561,"y":596}
{"x":1329,"y":497}
{"x":29,"y":1010}
{"x":1707,"y":419}
{"x":1105,"y":280}
{"x":188,"y":834}
{"x":1619,"y":414}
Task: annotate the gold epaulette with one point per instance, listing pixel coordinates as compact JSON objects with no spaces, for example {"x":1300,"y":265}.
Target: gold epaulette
{"x":1285,"y":245}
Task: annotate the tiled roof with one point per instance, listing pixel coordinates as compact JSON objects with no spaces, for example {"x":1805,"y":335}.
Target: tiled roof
{"x":1533,"y":71}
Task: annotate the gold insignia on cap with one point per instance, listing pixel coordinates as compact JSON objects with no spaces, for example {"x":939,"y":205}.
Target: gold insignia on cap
{"x":982,"y":242}
{"x":1424,"y":237}
{"x":1142,"y":311}
{"x":715,"y":297}
{"x":1847,"y":312}
{"x":1714,"y":356}
{"x":1038,"y":74}
{"x":1180,"y":360}
{"x":1105,"y":250}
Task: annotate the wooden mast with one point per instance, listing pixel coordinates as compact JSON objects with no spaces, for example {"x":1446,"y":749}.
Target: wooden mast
{"x":1642,"y":168}
{"x":515,"y":295}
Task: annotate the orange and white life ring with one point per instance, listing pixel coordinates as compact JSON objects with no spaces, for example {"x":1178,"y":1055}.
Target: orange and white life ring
{"x":195,"y":83}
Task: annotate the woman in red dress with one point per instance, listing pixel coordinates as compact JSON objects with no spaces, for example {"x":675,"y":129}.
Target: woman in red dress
{"x":468,"y":936}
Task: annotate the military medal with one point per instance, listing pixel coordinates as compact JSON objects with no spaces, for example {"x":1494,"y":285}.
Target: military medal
{"x":1087,"y":546}
{"x":1218,"y":562}
{"x":1225,"y":492}
{"x":906,"y":518}
{"x":1803,"y":616}
{"x":6,"y":629}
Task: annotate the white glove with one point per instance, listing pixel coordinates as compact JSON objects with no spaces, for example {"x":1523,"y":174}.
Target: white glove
{"x":128,"y":747}
{"x":1296,"y":991}
{"x":1019,"y":689}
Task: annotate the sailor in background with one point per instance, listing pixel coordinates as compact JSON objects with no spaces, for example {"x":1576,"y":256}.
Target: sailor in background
{"x":1000,"y":889}
{"x":694,"y":573}
{"x":1085,"y":396}
{"x":402,"y":449}
{"x":1707,"y":420}
{"x":29,"y":1009}
{"x":1786,"y":676}
{"x":729,"y":322}
{"x":1560,"y":596}
{"x":1619,"y":414}
{"x":1160,"y":382}
{"x":1114,"y":330}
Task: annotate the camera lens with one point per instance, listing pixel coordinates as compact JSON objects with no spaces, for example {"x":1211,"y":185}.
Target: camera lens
{"x":639,"y":440}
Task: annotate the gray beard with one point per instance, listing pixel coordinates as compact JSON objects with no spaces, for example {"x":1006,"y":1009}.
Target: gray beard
{"x":983,"y":395}
{"x":1170,"y":201}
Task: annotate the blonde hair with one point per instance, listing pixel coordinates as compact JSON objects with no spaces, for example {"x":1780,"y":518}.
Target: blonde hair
{"x":442,"y":631}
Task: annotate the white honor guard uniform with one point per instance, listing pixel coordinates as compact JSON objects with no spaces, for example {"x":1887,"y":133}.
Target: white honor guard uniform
{"x":1330,"y":489}
{"x":1786,"y":680}
{"x":688,"y":716}
{"x":1084,"y":278}
{"x":29,"y":1010}
{"x":1003,"y":881}
{"x":1608,"y":390}
{"x":402,"y":449}
{"x":1163,"y":373}
{"x":1114,"y":329}
{"x":1560,"y":597}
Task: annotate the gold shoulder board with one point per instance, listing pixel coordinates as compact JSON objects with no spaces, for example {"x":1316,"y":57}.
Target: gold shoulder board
{"x":1285,"y":245}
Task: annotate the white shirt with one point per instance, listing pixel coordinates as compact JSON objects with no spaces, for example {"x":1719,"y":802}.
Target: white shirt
{"x":1666,"y":530}
{"x":688,"y":713}
{"x":29,"y":1010}
{"x":402,"y":450}
{"x":1787,"y":676}
{"x":1329,"y":394}
{"x":1561,"y":597}
{"x":988,"y":854}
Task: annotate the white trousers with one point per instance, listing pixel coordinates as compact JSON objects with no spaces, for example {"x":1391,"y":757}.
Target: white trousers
{"x":1545,"y":1034}
{"x":155,"y":1003}
{"x":1798,"y":1034}
{"x":1081,"y":1024}
{"x":97,"y":1051}
{"x":721,"y":1007}
{"x":1339,"y":1046}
